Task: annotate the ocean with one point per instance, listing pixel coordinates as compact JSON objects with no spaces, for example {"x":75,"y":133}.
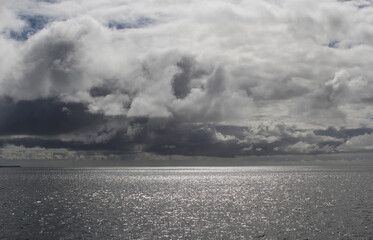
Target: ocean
{"x":187,"y":203}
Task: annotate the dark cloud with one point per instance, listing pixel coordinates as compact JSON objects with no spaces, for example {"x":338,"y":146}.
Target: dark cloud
{"x":117,"y":144}
{"x":44,"y":117}
{"x":49,"y":123}
{"x":189,"y":71}
{"x":52,"y":68}
{"x":343,"y":133}
{"x":215,"y":83}
{"x":190,"y":140}
{"x":99,"y":91}
{"x":181,"y":81}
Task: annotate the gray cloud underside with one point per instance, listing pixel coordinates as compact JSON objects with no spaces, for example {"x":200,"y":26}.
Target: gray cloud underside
{"x":51,"y":123}
{"x":219,"y":78}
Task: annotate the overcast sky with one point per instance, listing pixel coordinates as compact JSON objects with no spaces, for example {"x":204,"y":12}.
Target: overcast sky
{"x":197,"y":78}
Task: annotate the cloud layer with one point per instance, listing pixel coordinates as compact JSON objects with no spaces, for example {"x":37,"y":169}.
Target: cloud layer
{"x":219,"y":78}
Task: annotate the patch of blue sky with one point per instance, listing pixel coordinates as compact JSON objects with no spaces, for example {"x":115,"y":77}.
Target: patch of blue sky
{"x":344,"y":44}
{"x":34,"y":24}
{"x":139,"y":23}
{"x":360,"y":4}
{"x":333,"y":44}
{"x":364,"y":5}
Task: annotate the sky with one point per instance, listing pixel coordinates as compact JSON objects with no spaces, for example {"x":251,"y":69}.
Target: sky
{"x":190,"y":80}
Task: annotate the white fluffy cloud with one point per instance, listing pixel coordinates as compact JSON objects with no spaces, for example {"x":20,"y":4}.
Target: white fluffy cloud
{"x":251,"y":58}
{"x":358,"y":143}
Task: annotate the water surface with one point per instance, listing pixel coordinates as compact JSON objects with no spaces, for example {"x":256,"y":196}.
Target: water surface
{"x":187,"y":203}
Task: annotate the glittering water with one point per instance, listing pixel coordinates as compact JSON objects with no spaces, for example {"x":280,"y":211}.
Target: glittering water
{"x":187,"y":203}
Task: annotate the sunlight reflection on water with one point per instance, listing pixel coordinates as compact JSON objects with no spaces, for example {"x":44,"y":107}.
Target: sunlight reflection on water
{"x":194,"y":203}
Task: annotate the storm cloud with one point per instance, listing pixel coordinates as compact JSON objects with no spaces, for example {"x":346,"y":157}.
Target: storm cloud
{"x":212,"y":78}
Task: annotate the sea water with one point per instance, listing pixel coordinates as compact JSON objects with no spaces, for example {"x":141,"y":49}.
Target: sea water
{"x":187,"y":203}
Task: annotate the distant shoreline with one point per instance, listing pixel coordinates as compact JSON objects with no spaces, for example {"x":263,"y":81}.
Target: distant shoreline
{"x":14,"y":166}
